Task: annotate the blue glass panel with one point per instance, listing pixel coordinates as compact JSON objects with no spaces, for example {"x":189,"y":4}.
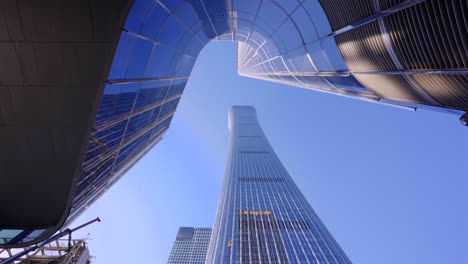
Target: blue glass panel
{"x":215,"y":7}
{"x":171,"y":4}
{"x":116,"y":101}
{"x":187,"y":14}
{"x":171,"y":32}
{"x":288,"y":34}
{"x":271,"y":47}
{"x":278,"y":65}
{"x":246,"y":9}
{"x":184,"y":65}
{"x":185,"y":41}
{"x":151,"y":92}
{"x":177,"y":87}
{"x":243,"y":25}
{"x":104,"y":140}
{"x":315,"y":81}
{"x":333,"y":54}
{"x":155,"y":114}
{"x":246,"y":6}
{"x":203,"y":30}
{"x":139,"y":58}
{"x":169,"y":107}
{"x":153,"y":23}
{"x":297,"y":61}
{"x":347,"y":83}
{"x":122,"y":56}
{"x":130,"y":149}
{"x":318,"y":16}
{"x":162,"y":62}
{"x":193,"y":47}
{"x":33,"y":235}
{"x":137,"y":123}
{"x":92,"y":176}
{"x":287,"y":5}
{"x":157,"y":129}
{"x":137,"y":15}
{"x":305,"y":25}
{"x":7,"y":234}
{"x":318,"y":57}
{"x":271,"y":14}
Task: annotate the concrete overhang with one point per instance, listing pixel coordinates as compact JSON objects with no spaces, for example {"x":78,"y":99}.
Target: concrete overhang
{"x":54,"y":60}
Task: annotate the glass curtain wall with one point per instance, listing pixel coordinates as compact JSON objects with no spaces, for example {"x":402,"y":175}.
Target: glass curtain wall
{"x":262,"y":215}
{"x":408,"y":53}
{"x":350,"y":49}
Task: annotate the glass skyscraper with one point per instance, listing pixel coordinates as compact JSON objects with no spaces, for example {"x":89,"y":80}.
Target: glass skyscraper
{"x":262,"y":215}
{"x":84,"y":101}
{"x":190,"y":246}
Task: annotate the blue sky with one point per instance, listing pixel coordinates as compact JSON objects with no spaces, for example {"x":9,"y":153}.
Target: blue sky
{"x":389,"y":184}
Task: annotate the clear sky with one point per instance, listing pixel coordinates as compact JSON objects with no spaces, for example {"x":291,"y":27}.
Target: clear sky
{"x":389,"y":184}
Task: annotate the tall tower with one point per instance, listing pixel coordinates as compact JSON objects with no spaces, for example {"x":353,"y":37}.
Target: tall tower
{"x":262,"y":215}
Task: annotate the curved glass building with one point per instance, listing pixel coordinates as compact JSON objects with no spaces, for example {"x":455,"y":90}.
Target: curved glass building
{"x":262,"y":215}
{"x":85,"y":99}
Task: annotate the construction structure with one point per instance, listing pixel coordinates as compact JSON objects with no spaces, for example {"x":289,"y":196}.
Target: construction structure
{"x":61,"y":251}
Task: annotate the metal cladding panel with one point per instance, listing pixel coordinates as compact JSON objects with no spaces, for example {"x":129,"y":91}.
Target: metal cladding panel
{"x":450,"y":90}
{"x":363,"y":49}
{"x":394,"y":87}
{"x":385,"y":4}
{"x":431,"y":35}
{"x":343,"y":13}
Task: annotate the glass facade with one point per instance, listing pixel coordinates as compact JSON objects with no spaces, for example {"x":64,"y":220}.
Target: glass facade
{"x":300,"y":43}
{"x":262,"y":215}
{"x":190,"y":246}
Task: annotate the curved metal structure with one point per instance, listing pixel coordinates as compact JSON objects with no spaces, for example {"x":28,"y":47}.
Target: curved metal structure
{"x":87,"y":87}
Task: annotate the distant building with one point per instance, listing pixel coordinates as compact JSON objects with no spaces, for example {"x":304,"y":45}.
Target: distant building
{"x":262,"y":216}
{"x":190,"y":246}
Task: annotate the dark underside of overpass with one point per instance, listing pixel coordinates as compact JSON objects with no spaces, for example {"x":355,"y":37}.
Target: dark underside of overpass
{"x":54,"y":60}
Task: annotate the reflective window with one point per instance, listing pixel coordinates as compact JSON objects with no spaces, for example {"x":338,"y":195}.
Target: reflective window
{"x":333,"y":54}
{"x":246,"y":6}
{"x":271,"y":14}
{"x":116,"y":101}
{"x":151,"y":92}
{"x":153,"y":22}
{"x":7,"y":234}
{"x":305,"y":25}
{"x":137,"y":123}
{"x":318,"y":57}
{"x":287,"y":33}
{"x":169,"y":107}
{"x":318,"y":17}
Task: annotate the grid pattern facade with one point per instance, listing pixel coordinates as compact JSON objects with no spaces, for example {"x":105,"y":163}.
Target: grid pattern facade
{"x":262,"y":215}
{"x":190,"y":246}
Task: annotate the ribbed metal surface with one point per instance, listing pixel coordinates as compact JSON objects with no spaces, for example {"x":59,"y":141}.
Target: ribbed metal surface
{"x":393,"y":87}
{"x":385,"y":4}
{"x":431,"y":35}
{"x":450,"y":90}
{"x":363,"y":49}
{"x":342,"y":13}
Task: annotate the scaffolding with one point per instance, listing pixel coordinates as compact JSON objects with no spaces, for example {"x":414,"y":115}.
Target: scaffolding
{"x":60,"y":251}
